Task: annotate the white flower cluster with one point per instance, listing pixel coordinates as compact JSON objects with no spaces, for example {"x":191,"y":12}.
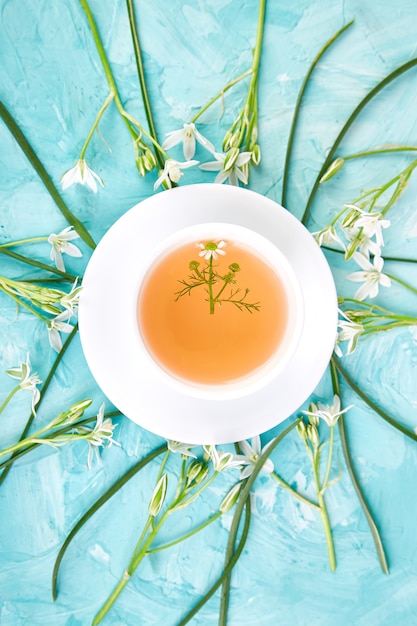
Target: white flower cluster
{"x":232,"y":165}
{"x":360,"y":237}
{"x":221,"y":460}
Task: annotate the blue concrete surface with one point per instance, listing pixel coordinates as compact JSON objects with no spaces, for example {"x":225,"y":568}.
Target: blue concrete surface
{"x":53,"y":83}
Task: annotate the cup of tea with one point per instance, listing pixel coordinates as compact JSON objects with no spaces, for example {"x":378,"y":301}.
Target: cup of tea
{"x":219,"y":311}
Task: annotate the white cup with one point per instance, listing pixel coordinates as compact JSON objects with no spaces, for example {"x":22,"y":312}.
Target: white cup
{"x":268,"y":252}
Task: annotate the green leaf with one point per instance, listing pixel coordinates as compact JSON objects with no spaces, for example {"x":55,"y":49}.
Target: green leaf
{"x":44,"y":176}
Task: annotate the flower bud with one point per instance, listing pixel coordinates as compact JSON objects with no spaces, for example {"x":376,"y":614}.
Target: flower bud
{"x":234,"y":267}
{"x":196,"y":472}
{"x":150,"y":160}
{"x":256,"y":154}
{"x":231,"y":498}
{"x":193,"y":265}
{"x":140,"y":164}
{"x":226,"y":145}
{"x":313,"y":434}
{"x":231,"y":158}
{"x":158,"y":496}
{"x":301,"y":430}
{"x":335,"y":167}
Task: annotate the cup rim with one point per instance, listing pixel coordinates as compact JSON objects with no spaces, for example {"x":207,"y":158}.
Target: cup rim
{"x":265,"y":249}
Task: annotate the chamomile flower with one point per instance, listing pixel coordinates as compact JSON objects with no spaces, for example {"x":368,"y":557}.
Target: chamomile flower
{"x":82,"y":174}
{"x":211,"y":249}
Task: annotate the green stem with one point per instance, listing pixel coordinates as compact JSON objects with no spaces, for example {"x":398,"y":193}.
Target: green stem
{"x":38,"y":264}
{"x":105,"y":63}
{"x":348,"y":460}
{"x":44,"y":176}
{"x":220,"y":95}
{"x":232,"y":552}
{"x":293,"y":492}
{"x":42,"y":395}
{"x":363,"y":396}
{"x":327,"y":531}
{"x":386,"y":258}
{"x":120,"y":482}
{"x":383,"y":83}
{"x":142,"y":80}
{"x":386,"y":150}
{"x":324,"y":514}
{"x":210,"y":286}
{"x":22,"y":303}
{"x":9,"y":397}
{"x":155,"y":143}
{"x":19,"y":242}
{"x":402,"y":283}
{"x":60,"y":431}
{"x":33,"y":441}
{"x":329,"y":460}
{"x":253,"y":85}
{"x":96,"y":123}
{"x":296,"y":114}
{"x":196,"y":530}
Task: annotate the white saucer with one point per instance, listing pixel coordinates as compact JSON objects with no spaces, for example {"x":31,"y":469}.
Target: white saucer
{"x":110,"y":288}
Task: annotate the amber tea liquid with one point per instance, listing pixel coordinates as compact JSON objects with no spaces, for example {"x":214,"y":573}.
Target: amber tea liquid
{"x":211,"y":349}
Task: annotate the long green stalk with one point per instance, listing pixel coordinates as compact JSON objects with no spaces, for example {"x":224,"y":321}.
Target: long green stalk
{"x":43,"y":266}
{"x":233,"y":552}
{"x":43,"y":391}
{"x":44,"y":176}
{"x":142,"y":79}
{"x":297,"y":107}
{"x":109,"y":493}
{"x":362,"y":104}
{"x":348,"y":460}
{"x":363,"y":396}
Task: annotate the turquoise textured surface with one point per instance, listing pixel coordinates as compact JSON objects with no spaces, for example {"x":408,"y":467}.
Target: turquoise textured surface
{"x":52,"y":81}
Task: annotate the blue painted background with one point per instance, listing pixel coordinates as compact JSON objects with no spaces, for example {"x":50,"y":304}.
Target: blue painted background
{"x":52,"y":81}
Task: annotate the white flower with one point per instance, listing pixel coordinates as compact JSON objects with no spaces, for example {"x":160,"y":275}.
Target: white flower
{"x":69,"y":301}
{"x":360,"y":242}
{"x":372,"y":224}
{"x":349,"y":331}
{"x":251,"y":453}
{"x":99,"y":436}
{"x":184,"y":448}
{"x":229,"y":165}
{"x":221,"y":460}
{"x":359,"y":228}
{"x":188,"y":135}
{"x":172,"y":172}
{"x":211,"y":249}
{"x":55,"y":326}
{"x":81,"y":174}
{"x":27,"y":381}
{"x":60,"y":245}
{"x":330,"y":413}
{"x":328,"y":235}
{"x":371,"y":277}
